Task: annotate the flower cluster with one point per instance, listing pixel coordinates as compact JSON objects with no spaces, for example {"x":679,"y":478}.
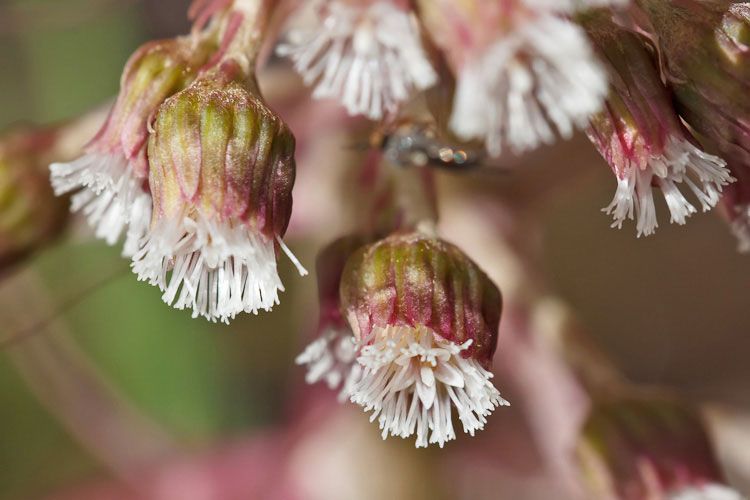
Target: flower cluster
{"x":197,"y":168}
{"x":196,"y":171}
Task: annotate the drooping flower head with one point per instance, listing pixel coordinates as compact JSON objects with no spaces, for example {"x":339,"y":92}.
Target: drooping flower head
{"x":638,"y":447}
{"x":426,"y":319}
{"x":367,"y":54}
{"x":112,"y":176}
{"x":221,"y":176}
{"x":705,"y":48}
{"x":640,"y":135}
{"x":30,"y":214}
{"x":331,"y":357}
{"x":524,"y":72}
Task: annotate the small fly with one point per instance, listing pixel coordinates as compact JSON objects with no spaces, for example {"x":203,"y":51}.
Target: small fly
{"x":409,"y":144}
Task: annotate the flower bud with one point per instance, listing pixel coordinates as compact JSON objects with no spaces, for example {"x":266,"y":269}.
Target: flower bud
{"x":369,"y":55}
{"x":30,"y":214}
{"x":426,"y":318}
{"x":642,"y":138}
{"x":112,"y":174}
{"x":524,"y":73}
{"x":332,"y":355}
{"x":634,"y":448}
{"x":221,"y":177}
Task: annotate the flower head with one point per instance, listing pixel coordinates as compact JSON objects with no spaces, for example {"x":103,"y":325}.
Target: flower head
{"x":221,"y":177}
{"x":426,"y":318}
{"x":368,"y":56}
{"x":30,"y":214}
{"x":111,"y":177}
{"x":523,"y":75}
{"x":641,"y":137}
{"x":332,"y":356}
{"x":705,"y":47}
{"x":706,"y":54}
{"x":639,"y":447}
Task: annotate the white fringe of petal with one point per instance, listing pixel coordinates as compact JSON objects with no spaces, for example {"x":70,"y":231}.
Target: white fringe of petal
{"x":542,"y":75}
{"x":707,"y":492}
{"x":110,"y":197}
{"x":215,"y":269}
{"x":680,"y":163}
{"x":410,"y":379}
{"x":332,"y":358}
{"x":370,"y":60}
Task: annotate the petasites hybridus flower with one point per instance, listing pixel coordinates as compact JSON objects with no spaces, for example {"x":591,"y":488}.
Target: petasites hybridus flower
{"x":523,"y":74}
{"x":30,"y":213}
{"x":426,"y":320}
{"x":640,"y":135}
{"x":112,"y":175}
{"x":706,"y":53}
{"x":634,"y":448}
{"x":332,"y":356}
{"x":367,"y":54}
{"x":705,"y":46}
{"x":221,"y":177}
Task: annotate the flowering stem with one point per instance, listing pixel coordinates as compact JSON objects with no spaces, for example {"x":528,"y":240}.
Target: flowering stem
{"x":244,"y":31}
{"x":417,"y":198}
{"x":398,"y":197}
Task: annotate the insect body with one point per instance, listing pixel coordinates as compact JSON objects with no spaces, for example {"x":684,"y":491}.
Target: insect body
{"x":410,"y":144}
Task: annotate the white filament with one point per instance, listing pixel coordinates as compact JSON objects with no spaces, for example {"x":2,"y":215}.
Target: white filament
{"x":410,"y":379}
{"x":707,"y":492}
{"x":110,"y":196}
{"x":332,"y":358}
{"x":300,"y":268}
{"x":370,"y":59}
{"x":214,"y":268}
{"x":680,"y":164}
{"x":541,"y":77}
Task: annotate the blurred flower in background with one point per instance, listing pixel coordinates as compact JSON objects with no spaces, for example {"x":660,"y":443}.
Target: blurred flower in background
{"x":31,"y":214}
{"x":430,"y":158}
